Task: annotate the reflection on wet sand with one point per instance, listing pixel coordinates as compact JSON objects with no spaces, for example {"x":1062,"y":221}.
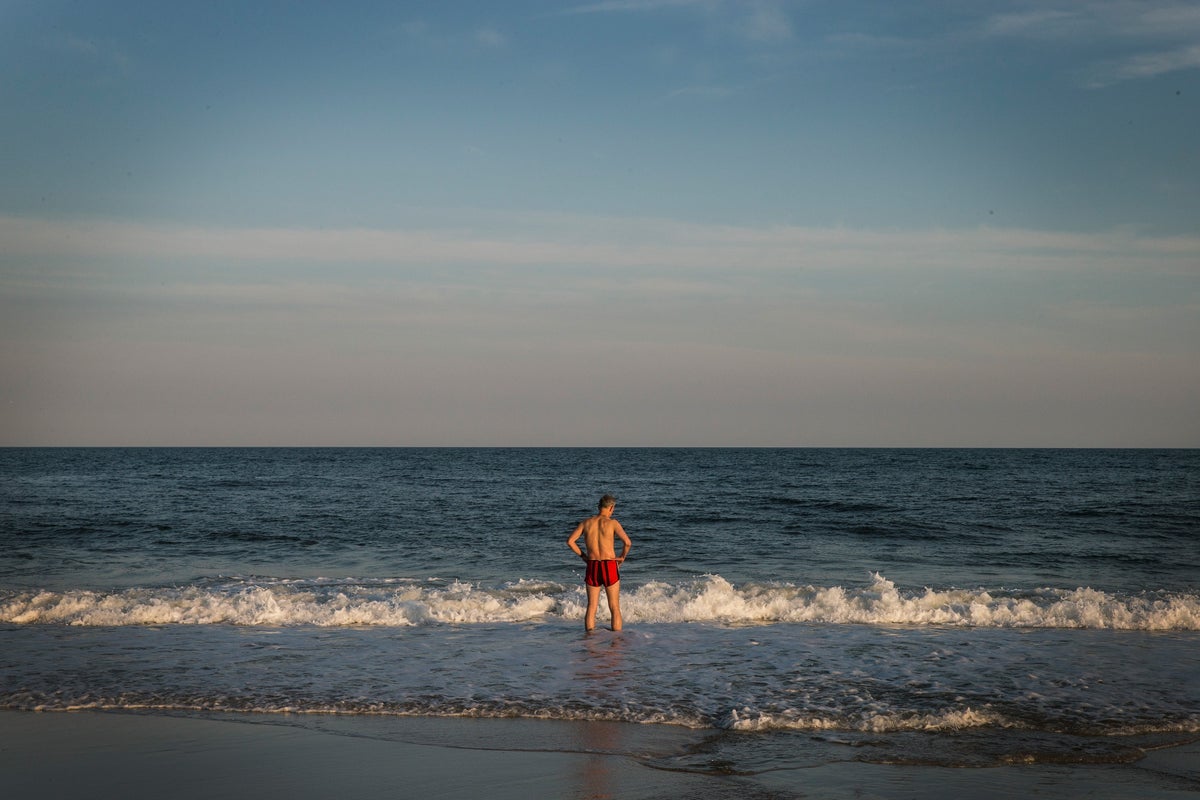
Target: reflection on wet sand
{"x":600,"y":667}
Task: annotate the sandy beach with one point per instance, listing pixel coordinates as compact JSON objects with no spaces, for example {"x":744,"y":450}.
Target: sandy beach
{"x":104,"y":755}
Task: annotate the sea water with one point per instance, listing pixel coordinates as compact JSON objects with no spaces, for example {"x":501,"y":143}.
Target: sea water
{"x":800,"y":606}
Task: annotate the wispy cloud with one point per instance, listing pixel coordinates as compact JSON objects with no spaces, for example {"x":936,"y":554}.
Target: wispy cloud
{"x":490,"y":37}
{"x":471,"y":334}
{"x":868,"y":41}
{"x":1044,"y":23}
{"x":1151,"y":19}
{"x":608,"y":6}
{"x":709,"y":92}
{"x":766,"y":22}
{"x":567,"y":241}
{"x":484,"y":37}
{"x":1163,"y":37}
{"x":1143,"y":65}
{"x":106,"y":58}
{"x":761,"y":21}
{"x":1100,"y":20}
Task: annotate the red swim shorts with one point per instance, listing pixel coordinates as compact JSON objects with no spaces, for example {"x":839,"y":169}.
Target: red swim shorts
{"x":602,"y":573}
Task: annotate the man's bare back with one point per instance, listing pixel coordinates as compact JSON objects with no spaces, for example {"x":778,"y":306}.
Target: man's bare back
{"x":599,"y":533}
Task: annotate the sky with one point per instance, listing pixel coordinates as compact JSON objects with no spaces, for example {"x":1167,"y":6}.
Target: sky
{"x":612,"y":223}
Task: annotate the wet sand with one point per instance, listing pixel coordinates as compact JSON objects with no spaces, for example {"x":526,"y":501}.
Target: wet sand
{"x":111,"y":755}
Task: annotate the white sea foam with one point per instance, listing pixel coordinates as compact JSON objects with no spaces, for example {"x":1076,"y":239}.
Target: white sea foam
{"x":956,"y":719}
{"x":715,"y":599}
{"x":747,"y":719}
{"x":278,"y":604}
{"x":345,"y":602}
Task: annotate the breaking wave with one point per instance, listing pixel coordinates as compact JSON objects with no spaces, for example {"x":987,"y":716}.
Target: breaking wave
{"x":711,"y":599}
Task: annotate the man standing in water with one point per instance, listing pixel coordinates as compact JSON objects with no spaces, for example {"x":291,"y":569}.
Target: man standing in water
{"x":602,"y":560}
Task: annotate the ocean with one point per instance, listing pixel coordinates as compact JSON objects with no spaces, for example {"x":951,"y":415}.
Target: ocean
{"x":787,"y":606}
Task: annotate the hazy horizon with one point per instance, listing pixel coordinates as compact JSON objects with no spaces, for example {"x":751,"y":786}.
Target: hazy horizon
{"x":615,"y":223}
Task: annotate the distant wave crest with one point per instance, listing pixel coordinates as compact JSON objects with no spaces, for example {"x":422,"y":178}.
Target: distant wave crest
{"x":712,"y":599}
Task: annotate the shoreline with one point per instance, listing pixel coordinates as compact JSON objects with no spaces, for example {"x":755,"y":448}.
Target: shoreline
{"x":93,"y":754}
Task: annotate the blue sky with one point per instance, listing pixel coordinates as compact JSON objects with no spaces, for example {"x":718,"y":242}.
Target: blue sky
{"x":634,"y":222}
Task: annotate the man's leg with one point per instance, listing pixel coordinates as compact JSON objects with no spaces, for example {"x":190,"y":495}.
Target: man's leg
{"x":593,"y":593}
{"x":614,"y":604}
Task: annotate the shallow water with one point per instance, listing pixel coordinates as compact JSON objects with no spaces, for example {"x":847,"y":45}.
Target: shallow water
{"x":946,"y":607}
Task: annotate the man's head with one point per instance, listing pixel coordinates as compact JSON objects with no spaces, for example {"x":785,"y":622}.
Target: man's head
{"x":608,"y":501}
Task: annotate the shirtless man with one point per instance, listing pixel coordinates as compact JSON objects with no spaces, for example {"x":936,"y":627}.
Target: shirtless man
{"x":602,"y":560}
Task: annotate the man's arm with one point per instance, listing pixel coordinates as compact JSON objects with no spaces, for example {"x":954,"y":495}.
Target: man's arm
{"x":571,"y":542}
{"x":620,"y":532}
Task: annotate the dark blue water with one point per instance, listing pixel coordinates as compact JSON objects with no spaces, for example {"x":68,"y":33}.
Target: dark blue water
{"x":1110,"y":519}
{"x":1041,"y":601}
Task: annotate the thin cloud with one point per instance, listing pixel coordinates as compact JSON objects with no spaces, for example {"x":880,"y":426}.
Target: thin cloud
{"x":1144,"y":65}
{"x":1099,"y":21}
{"x":868,"y":41}
{"x":767,"y":22}
{"x":420,"y":32}
{"x":1148,"y":38}
{"x":709,"y":92}
{"x":761,"y":21}
{"x":609,"y":6}
{"x":564,"y":240}
{"x":490,"y":37}
{"x":415,"y":29}
{"x":1166,"y":35}
{"x":1171,"y":21}
{"x":1046,"y":23}
{"x":106,"y":57}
